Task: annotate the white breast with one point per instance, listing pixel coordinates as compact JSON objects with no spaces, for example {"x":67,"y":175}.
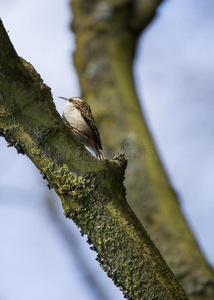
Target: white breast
{"x":74,"y":117}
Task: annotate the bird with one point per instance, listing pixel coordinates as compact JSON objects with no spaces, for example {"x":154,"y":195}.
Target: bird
{"x":77,"y":114}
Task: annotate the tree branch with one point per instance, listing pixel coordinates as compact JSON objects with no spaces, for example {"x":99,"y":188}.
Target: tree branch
{"x":91,"y":191}
{"x":106,"y":37}
{"x":143,"y":13}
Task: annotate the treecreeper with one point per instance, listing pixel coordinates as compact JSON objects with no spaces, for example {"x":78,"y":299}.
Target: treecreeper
{"x":78,"y":116}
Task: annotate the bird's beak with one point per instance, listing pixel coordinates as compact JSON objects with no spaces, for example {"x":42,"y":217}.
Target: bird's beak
{"x":63,"y":98}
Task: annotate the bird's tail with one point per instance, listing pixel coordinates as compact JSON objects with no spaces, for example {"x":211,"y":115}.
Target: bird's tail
{"x":100,"y":154}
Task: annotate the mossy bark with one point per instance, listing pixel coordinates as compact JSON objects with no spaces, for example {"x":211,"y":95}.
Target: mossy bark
{"x":106,"y":39}
{"x":92,"y":191}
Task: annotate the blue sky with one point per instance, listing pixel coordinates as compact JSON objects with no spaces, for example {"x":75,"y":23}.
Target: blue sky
{"x":174,"y":71}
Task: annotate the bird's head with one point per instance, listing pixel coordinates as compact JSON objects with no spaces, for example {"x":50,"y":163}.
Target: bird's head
{"x":72,"y":99}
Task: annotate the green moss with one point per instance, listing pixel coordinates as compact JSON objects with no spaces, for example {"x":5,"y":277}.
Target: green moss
{"x":15,"y":126}
{"x":65,"y":183}
{"x":32,"y":71}
{"x":12,"y":142}
{"x":35,"y":151}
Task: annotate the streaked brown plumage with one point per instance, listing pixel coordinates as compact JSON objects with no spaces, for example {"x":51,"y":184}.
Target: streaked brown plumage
{"x":77,"y":114}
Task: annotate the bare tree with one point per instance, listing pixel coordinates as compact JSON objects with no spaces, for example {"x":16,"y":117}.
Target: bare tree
{"x":92,"y":191}
{"x":107,"y":34}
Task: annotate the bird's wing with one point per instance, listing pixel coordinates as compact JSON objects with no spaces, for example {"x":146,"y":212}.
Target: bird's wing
{"x":85,"y":111}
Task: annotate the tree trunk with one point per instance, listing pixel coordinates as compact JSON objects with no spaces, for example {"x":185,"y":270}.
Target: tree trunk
{"x":106,"y":39}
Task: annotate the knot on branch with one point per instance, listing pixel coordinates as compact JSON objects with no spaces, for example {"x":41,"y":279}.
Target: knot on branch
{"x":121,"y":160}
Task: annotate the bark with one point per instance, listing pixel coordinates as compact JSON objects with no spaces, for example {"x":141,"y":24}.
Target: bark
{"x":92,"y":191}
{"x":106,"y":38}
{"x":70,"y":240}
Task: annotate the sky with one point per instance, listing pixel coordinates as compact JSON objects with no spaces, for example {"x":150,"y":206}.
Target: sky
{"x":174,"y":71}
